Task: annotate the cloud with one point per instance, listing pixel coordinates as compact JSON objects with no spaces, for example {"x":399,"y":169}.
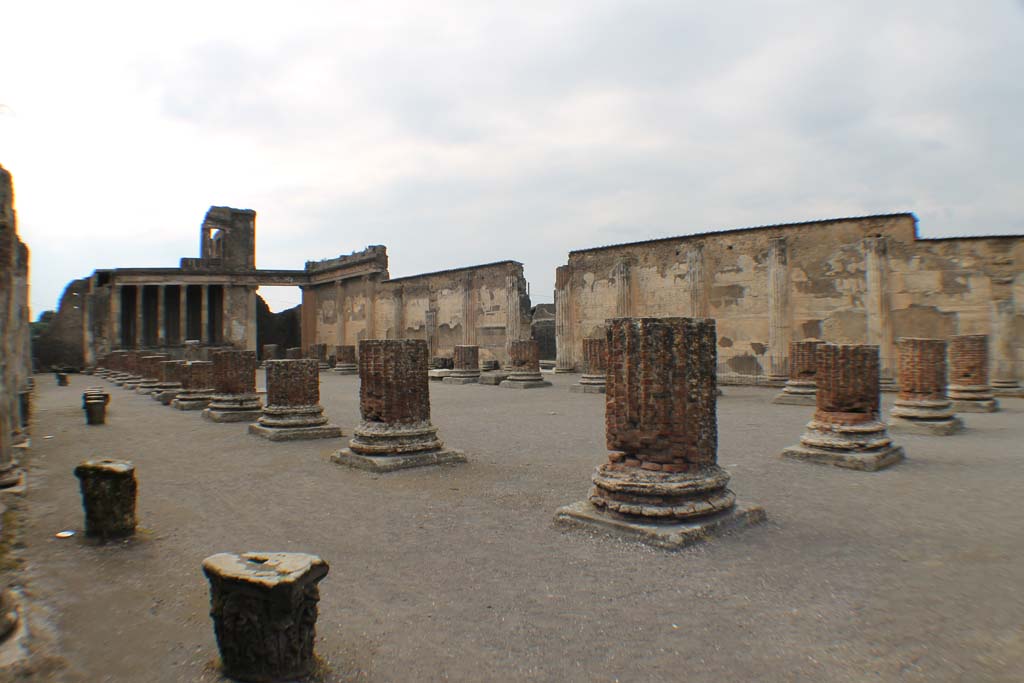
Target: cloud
{"x":459,"y":133}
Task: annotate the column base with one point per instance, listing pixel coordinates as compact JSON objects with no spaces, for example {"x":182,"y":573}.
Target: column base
{"x":528,"y":384}
{"x":190,"y":404}
{"x":165,"y":397}
{"x":232,"y":415}
{"x":909,"y":425}
{"x":327,"y":431}
{"x":493,"y":378}
{"x":146,"y":388}
{"x":402,"y":461}
{"x":870,"y":461}
{"x":670,"y":536}
{"x":787,"y":399}
{"x":437,"y":375}
{"x":564,"y":371}
{"x":970,"y":406}
{"x":461,"y":380}
{"x":346,"y":369}
{"x":586,"y":389}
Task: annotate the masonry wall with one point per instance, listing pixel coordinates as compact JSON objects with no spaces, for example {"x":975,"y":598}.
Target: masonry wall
{"x":61,"y":343}
{"x":857,"y":280}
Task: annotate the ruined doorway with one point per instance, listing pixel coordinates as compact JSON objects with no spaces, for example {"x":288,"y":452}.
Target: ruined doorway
{"x":278,"y":318}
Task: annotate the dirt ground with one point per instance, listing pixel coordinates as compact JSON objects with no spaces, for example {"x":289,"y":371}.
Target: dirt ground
{"x":458,"y":573}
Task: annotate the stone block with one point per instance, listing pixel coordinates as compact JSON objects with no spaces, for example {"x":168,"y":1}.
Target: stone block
{"x":108,"y":496}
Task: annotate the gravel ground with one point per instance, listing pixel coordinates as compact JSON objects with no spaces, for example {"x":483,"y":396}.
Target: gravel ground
{"x":458,"y":573}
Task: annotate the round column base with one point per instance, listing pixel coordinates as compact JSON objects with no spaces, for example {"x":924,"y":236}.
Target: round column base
{"x":633,"y":491}
{"x":192,"y":399}
{"x":294,"y":423}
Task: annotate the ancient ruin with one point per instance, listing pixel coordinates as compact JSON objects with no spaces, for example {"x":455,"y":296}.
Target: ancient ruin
{"x":394,"y":400}
{"x":150,"y":369}
{"x":662,"y":484}
{"x":234,"y":396}
{"x":293,"y":411}
{"x":264,"y":610}
{"x":466,"y":365}
{"x":345,"y":360}
{"x":196,"y":386}
{"x":524,"y":366}
{"x":968,"y":375}
{"x":846,"y":430}
{"x":108,"y":497}
{"x":800,"y":388}
{"x":592,"y":381}
{"x":167,"y":389}
{"x":94,"y":403}
{"x":922,"y":406}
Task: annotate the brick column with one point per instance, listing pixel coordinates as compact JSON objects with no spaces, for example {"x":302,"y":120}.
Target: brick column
{"x":592,"y":381}
{"x":196,"y":386}
{"x":524,"y":366}
{"x":169,"y":386}
{"x":846,"y":430}
{"x":234,"y":388}
{"x":131,"y":365}
{"x":345,"y":360}
{"x":921,"y":406}
{"x":803,"y":365}
{"x":318,"y":352}
{"x":149,"y":368}
{"x":271,"y":352}
{"x":394,"y":400}
{"x":293,"y":409}
{"x":662,"y":482}
{"x":968,"y":375}
{"x":293,"y":353}
{"x":466,"y":365}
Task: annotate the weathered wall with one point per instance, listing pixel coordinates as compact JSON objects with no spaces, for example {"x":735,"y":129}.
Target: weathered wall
{"x":485,"y":305}
{"x":542,"y":330}
{"x":283,"y":329}
{"x":15,"y":345}
{"x":61,"y":344}
{"x":856,"y":280}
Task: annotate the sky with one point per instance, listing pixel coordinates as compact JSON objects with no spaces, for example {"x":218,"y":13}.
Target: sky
{"x":458,"y":133}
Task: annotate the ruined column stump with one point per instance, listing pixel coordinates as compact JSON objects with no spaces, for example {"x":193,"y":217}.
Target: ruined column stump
{"x":293,"y":353}
{"x":800,"y":388}
{"x":394,"y":399}
{"x":345,"y":360}
{"x":592,"y":381}
{"x":94,"y":403}
{"x":524,"y":366}
{"x":662,"y":484}
{"x":846,"y":430}
{"x":264,"y":610}
{"x":108,"y":497}
{"x":196,"y":386}
{"x":922,"y":406}
{"x":149,"y":368}
{"x":170,"y":383}
{"x":234,"y":396}
{"x":968,"y":375}
{"x":466,"y":368}
{"x":293,"y":411}
{"x":134,"y":375}
{"x":270,"y":352}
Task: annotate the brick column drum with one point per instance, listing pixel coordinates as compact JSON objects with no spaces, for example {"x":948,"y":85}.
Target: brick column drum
{"x":662,"y":483}
{"x":270,"y":352}
{"x":803,"y":365}
{"x":170,"y":381}
{"x":196,"y":386}
{"x":345,"y":360}
{"x":234,"y":388}
{"x":846,"y":430}
{"x":394,"y":400}
{"x":150,"y":370}
{"x":319,"y":353}
{"x":592,"y":381}
{"x":466,"y":366}
{"x":968,"y":375}
{"x":293,"y":353}
{"x":132,"y":376}
{"x":922,"y":406}
{"x":293,"y":411}
{"x":264,"y":610}
{"x":524,"y":366}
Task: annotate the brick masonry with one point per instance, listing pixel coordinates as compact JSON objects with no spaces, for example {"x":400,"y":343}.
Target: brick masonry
{"x":293,"y":382}
{"x":595,"y":351}
{"x":968,"y":360}
{"x":345,"y":355}
{"x":467,"y":357}
{"x":234,"y":372}
{"x":847,"y":384}
{"x":524,"y":356}
{"x":394,"y":387}
{"x":803,"y":359}
{"x":922,"y":369}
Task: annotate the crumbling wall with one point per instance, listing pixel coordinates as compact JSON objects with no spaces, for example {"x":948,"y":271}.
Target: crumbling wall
{"x":283,"y":329}
{"x":15,"y":344}
{"x":855,"y":280}
{"x":61,"y":344}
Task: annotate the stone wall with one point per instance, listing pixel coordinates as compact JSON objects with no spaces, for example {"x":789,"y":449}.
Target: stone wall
{"x":61,"y":344}
{"x":852,"y":280}
{"x":15,"y":344}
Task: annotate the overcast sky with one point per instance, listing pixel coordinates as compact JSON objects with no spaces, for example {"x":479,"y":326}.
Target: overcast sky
{"x":455,"y":133}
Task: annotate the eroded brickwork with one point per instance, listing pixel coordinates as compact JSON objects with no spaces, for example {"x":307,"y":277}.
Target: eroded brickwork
{"x":524,"y":355}
{"x":271,"y":351}
{"x":345,"y":355}
{"x":234,"y":372}
{"x":393,"y":380}
{"x":149,"y":366}
{"x":293,"y":353}
{"x":661,"y":393}
{"x":847,"y":383}
{"x":968,"y":360}
{"x":595,"y":352}
{"x":172,"y":371}
{"x":466,"y":357}
{"x":922,"y":369}
{"x":293,"y":382}
{"x":803,"y":359}
{"x":197,"y":375}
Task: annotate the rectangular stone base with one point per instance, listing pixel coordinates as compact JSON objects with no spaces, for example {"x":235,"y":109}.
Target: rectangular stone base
{"x":989,"y":406}
{"x":925,"y":427}
{"x":189,"y":405}
{"x":493,"y":378}
{"x":866,"y":462}
{"x":537,"y":384}
{"x":795,"y":399}
{"x":232,"y":415}
{"x":296,"y":433}
{"x":584,"y":515}
{"x":586,"y":389}
{"x":461,"y":380}
{"x":390,"y":463}
{"x":437,"y":375}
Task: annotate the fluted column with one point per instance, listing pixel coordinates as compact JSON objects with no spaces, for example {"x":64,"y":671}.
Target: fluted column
{"x":780,"y":318}
{"x":140,"y":317}
{"x":1005,"y":371}
{"x":623,"y":289}
{"x":204,"y":316}
{"x":182,"y":314}
{"x":696,"y":281}
{"x":161,"y":316}
{"x":116,"y":335}
{"x":513,"y":319}
{"x":876,"y":304}
{"x":564,"y":361}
